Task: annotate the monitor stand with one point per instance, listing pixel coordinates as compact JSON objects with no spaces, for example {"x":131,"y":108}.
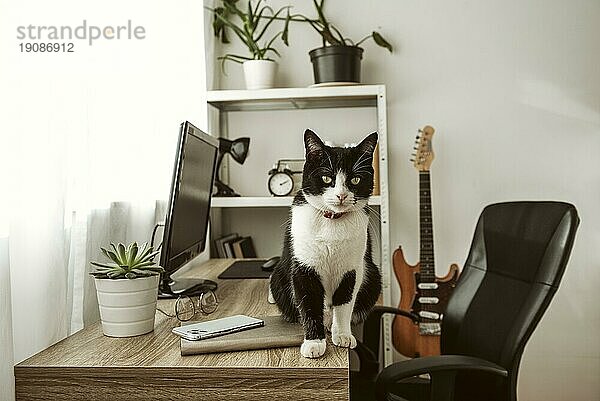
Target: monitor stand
{"x":185,"y":286}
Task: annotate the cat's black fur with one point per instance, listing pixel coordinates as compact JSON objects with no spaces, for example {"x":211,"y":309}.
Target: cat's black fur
{"x":296,"y":287}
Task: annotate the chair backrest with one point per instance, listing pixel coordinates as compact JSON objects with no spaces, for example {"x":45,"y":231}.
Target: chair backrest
{"x":516,"y":261}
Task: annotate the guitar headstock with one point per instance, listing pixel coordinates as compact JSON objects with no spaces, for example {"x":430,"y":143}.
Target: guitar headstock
{"x":423,"y":156}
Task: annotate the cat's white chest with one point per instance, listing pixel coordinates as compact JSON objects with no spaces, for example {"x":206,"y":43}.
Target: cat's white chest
{"x":323,"y":243}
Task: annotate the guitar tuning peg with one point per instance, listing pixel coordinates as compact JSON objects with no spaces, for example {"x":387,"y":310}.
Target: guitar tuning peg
{"x":412,"y":160}
{"x":415,"y":147}
{"x":420,"y":131}
{"x":413,"y":154}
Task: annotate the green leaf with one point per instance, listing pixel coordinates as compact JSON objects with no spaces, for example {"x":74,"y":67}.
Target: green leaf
{"x":111,"y":255}
{"x":143,"y":256}
{"x":122,"y":252}
{"x":144,"y":264}
{"x":234,"y":57}
{"x":114,"y":275}
{"x":266,"y":49}
{"x":130,"y":275}
{"x":110,"y":266}
{"x":269,"y":22}
{"x":232,"y":8}
{"x":257,"y":6}
{"x":240,"y":34}
{"x":224,"y":37}
{"x":116,"y":253}
{"x":381,"y":41}
{"x":286,"y":29}
{"x":250,"y":15}
{"x":152,"y":255}
{"x":141,"y":251}
{"x":319,"y":8}
{"x":218,"y":25}
{"x":132,"y":253}
{"x":143,"y":273}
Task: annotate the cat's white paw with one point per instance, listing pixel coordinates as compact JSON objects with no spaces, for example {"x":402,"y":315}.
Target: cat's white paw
{"x":312,"y":348}
{"x":343,"y":340}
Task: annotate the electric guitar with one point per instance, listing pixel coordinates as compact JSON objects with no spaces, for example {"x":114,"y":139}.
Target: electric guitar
{"x":422,"y":292}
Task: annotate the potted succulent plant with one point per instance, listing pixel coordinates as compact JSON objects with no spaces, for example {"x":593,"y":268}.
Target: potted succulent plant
{"x":251,"y":25}
{"x":338,"y":60}
{"x":127,"y":289}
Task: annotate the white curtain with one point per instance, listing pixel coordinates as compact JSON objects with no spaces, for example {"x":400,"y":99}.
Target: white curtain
{"x":86,"y":154}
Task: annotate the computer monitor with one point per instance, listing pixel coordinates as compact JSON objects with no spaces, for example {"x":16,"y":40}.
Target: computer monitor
{"x":188,"y":210}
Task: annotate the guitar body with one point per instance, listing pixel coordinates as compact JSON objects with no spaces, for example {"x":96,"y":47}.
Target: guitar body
{"x":406,"y":334}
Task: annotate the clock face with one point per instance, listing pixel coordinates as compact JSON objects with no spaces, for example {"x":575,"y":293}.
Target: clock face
{"x":281,"y":184}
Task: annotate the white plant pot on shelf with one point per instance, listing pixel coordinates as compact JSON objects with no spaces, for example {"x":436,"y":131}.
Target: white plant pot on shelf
{"x":127,"y":307}
{"x":259,"y":74}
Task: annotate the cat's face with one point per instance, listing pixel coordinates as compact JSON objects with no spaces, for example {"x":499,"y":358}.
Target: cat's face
{"x":338,"y":179}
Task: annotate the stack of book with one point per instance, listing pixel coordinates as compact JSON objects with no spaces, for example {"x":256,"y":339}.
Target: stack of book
{"x":234,"y":246}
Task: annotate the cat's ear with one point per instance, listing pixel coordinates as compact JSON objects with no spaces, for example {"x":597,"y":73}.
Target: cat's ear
{"x":312,"y":143}
{"x":368,"y":144}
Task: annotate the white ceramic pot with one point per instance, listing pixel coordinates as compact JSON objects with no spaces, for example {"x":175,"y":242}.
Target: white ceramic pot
{"x":127,"y":307}
{"x":259,"y":74}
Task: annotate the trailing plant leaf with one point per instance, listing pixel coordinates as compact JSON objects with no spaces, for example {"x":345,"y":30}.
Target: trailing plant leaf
{"x":286,"y":29}
{"x":127,"y":262}
{"x":381,"y":41}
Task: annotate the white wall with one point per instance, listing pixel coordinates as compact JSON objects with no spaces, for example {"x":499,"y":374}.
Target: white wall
{"x":513,"y":90}
{"x":84,"y":129}
{"x":7,"y":381}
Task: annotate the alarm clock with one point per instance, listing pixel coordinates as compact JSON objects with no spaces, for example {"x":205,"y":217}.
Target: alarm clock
{"x":281,"y":183}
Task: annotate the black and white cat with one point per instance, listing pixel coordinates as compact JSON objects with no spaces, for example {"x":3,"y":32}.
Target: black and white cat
{"x":326,"y":275}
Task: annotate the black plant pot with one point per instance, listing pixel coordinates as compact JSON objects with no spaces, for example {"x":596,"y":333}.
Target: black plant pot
{"x":336,"y":63}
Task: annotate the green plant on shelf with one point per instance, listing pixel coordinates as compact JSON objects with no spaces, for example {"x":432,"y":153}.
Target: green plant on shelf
{"x":330,"y":34}
{"x":250,"y":26}
{"x":128,"y":262}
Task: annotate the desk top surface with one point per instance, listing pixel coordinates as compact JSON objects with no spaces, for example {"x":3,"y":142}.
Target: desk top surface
{"x":90,"y":348}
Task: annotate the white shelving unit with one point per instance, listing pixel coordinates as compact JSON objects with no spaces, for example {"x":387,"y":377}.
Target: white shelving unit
{"x":225,"y":101}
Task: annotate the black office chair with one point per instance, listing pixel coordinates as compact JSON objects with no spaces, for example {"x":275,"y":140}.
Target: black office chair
{"x":516,"y":261}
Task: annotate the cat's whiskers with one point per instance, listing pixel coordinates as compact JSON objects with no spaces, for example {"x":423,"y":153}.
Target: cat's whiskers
{"x":364,"y":164}
{"x":286,"y":222}
{"x":363,"y":157}
{"x":322,"y":168}
{"x":363,"y":171}
{"x":374,"y":211}
{"x":330,"y":163}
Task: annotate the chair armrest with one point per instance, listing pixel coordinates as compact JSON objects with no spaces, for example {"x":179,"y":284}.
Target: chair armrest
{"x":436,"y":366}
{"x":372,"y":326}
{"x":368,"y":350}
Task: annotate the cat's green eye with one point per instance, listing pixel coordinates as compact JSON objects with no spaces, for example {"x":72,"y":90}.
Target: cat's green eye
{"x":355,"y":180}
{"x":326,"y":179}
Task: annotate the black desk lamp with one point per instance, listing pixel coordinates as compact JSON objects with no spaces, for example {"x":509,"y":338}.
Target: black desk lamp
{"x":238,"y":149}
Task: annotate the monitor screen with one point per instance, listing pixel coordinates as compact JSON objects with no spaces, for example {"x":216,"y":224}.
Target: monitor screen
{"x":189,"y":203}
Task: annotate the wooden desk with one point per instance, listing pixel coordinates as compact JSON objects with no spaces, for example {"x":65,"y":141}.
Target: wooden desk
{"x":90,"y":366}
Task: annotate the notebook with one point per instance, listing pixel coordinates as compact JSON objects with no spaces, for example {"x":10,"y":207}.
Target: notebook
{"x":276,"y":333}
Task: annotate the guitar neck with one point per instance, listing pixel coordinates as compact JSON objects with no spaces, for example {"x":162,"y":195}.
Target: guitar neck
{"x":427,"y":271}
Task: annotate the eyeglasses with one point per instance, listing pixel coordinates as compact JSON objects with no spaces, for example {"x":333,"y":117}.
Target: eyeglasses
{"x":188,"y":307}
